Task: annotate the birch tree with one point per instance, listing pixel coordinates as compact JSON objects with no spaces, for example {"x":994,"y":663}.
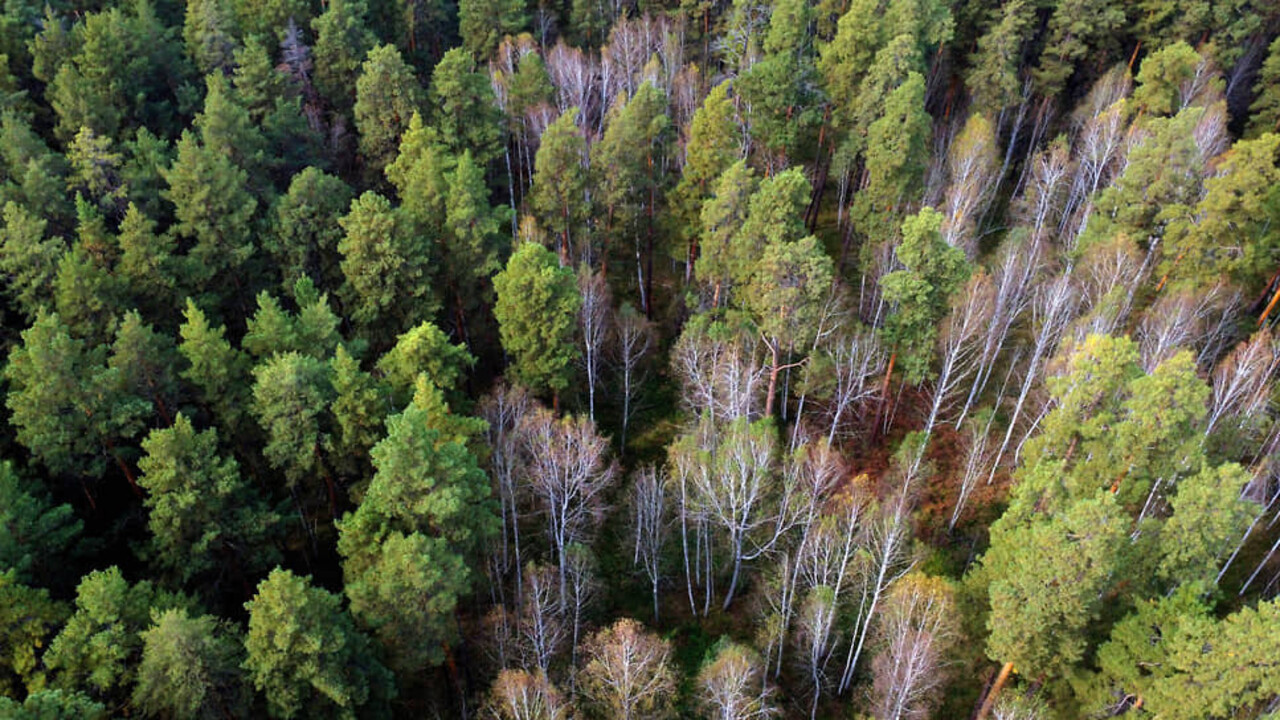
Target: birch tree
{"x":649,"y":524}
{"x":567,"y":474}
{"x":916,"y":634}
{"x":887,"y":542}
{"x":522,"y":695}
{"x":628,"y":675}
{"x":731,"y":686}
{"x":593,"y":328}
{"x":633,"y":341}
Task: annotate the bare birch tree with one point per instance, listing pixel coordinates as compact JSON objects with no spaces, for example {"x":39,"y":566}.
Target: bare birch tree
{"x":649,"y":524}
{"x":1014,"y":278}
{"x":522,"y":695}
{"x":593,"y":328}
{"x":628,"y":675}
{"x":732,"y":686}
{"x":503,"y":409}
{"x":541,"y":625}
{"x":720,"y":370}
{"x":634,"y":339}
{"x":567,"y":474}
{"x":815,"y":638}
{"x":972,"y":164}
{"x":960,"y":344}
{"x":847,"y":367}
{"x":1240,"y":385}
{"x":1054,"y":306}
{"x":915,"y":635}
{"x":887,"y":542}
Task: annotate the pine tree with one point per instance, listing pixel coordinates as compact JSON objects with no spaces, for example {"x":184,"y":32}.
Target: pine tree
{"x":1264,"y":113}
{"x":467,"y":114}
{"x":217,"y":370}
{"x":386,"y":265}
{"x":921,"y":291}
{"x":28,"y":259}
{"x":387,"y":97}
{"x":418,"y":174}
{"x":424,"y":350}
{"x":483,"y":23}
{"x":38,"y":535}
{"x":305,"y":232}
{"x":98,"y":649}
{"x":213,"y":209}
{"x":29,"y":619}
{"x":291,"y":393}
{"x":190,"y":668}
{"x":201,"y":512}
{"x":342,"y":42}
{"x":209,"y":32}
{"x":537,"y":314}
{"x":473,"y":239}
{"x":425,"y":515}
{"x":715,"y":143}
{"x":558,"y":193}
{"x":306,"y":656}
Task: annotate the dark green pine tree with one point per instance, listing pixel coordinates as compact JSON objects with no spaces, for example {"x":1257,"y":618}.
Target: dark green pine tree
{"x":202,"y":514}
{"x":408,"y":547}
{"x":467,"y":115}
{"x":387,"y":269}
{"x":387,"y":97}
{"x":36,"y":536}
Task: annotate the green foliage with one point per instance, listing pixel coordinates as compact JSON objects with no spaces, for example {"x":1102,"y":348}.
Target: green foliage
{"x":306,"y":656}
{"x":558,"y":193}
{"x":1264,"y":113}
{"x":537,"y":311}
{"x":723,"y":216}
{"x":201,"y":512}
{"x":714,"y":144}
{"x":1209,"y":516}
{"x":474,"y":239}
{"x":217,"y":370}
{"x":342,"y":42}
{"x":305,"y":232}
{"x":53,"y":705}
{"x":190,"y":668}
{"x":98,"y":649}
{"x":213,"y":209}
{"x":209,"y":32}
{"x":418,"y":174}
{"x":466,"y":114}
{"x":358,"y":408}
{"x":921,"y":291}
{"x":65,"y":404}
{"x":36,"y":534}
{"x":627,"y":159}
{"x":28,"y":259}
{"x":28,"y":620}
{"x":291,"y":393}
{"x":386,"y":266}
{"x":424,"y":350}
{"x":483,"y":23}
{"x":1047,"y":577}
{"x":387,"y":97}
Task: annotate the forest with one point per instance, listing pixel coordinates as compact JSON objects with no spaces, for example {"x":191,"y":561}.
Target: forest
{"x":640,"y":359}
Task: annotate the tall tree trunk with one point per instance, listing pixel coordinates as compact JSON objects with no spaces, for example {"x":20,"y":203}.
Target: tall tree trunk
{"x":990,"y":700}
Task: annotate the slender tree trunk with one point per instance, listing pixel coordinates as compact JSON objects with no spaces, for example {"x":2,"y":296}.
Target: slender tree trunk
{"x":773,"y":382}
{"x":990,"y":700}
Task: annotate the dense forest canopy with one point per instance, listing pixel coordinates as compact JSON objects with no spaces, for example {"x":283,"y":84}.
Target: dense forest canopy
{"x":535,"y":360}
